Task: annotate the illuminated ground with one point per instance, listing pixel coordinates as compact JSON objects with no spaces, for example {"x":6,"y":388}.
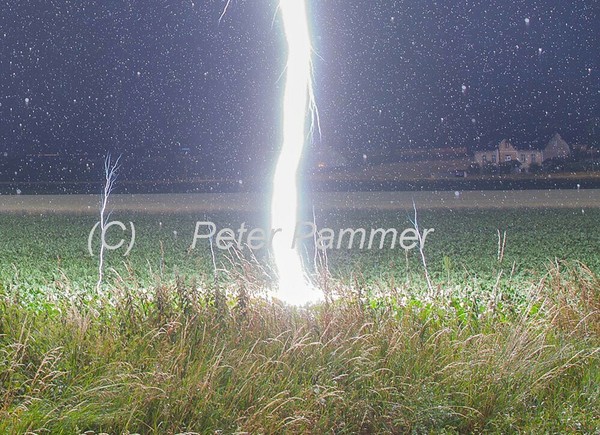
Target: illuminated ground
{"x":205,"y":202}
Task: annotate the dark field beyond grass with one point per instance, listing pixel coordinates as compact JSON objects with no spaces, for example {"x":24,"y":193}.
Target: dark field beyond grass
{"x":501,"y":342}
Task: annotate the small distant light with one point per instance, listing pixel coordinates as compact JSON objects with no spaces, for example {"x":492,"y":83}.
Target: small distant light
{"x":527,"y":21}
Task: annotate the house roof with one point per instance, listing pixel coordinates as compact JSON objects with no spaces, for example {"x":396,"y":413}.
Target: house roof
{"x":519,"y":146}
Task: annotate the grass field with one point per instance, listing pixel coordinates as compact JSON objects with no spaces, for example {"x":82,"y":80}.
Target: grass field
{"x":505,"y":339}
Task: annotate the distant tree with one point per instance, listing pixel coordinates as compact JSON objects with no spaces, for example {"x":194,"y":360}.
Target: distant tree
{"x":574,"y":165}
{"x":509,"y":167}
{"x":489,"y":168}
{"x":474,"y":169}
{"x":535,"y":168}
{"x":593,"y":132}
{"x":556,"y":164}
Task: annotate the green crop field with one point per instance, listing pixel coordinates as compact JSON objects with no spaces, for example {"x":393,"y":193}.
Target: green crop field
{"x":504,"y":338}
{"x":39,"y":252}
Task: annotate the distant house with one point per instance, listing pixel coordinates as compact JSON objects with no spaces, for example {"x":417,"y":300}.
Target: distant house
{"x":505,"y":151}
{"x":557,"y":148}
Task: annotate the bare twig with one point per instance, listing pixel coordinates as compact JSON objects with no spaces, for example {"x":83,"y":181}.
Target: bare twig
{"x":110,"y":174}
{"x":501,"y":245}
{"x":424,"y":261}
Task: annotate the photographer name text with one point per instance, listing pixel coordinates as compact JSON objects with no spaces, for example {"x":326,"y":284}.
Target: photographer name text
{"x":324,"y":238}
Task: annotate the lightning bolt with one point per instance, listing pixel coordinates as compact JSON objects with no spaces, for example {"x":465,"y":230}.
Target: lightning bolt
{"x":224,"y":10}
{"x":298,"y":102}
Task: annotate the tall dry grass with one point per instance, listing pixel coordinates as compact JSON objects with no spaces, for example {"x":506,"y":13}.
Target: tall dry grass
{"x":190,"y":357}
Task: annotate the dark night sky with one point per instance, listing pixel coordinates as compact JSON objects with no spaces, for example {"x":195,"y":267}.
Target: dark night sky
{"x":146,"y":77}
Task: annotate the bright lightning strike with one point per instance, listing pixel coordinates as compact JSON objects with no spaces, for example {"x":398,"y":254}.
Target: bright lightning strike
{"x":224,"y":10}
{"x":298,"y":99}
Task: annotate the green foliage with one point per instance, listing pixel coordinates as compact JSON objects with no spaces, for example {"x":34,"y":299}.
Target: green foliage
{"x":397,"y":364}
{"x":47,"y":255}
{"x":495,"y":346}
